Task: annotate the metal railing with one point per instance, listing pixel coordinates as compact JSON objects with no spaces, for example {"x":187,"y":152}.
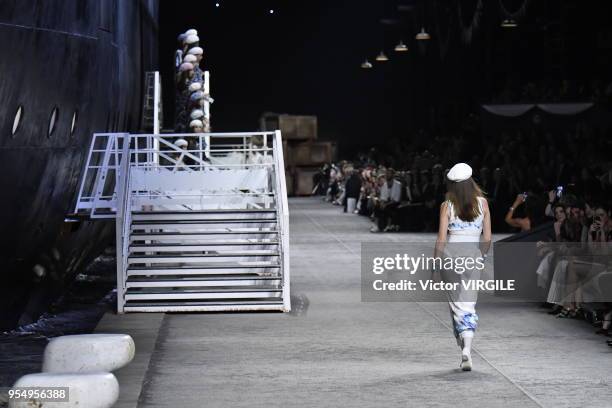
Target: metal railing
{"x":211,"y":166}
{"x":282,"y":213}
{"x":97,"y":196}
{"x":231,"y":170}
{"x":123,"y":223}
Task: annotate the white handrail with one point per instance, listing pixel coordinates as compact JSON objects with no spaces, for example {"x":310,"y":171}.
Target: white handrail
{"x":123,"y":222}
{"x":214,"y":134}
{"x":145,"y":153}
{"x":283,"y":216}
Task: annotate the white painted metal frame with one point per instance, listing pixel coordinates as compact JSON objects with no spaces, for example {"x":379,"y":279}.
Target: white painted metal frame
{"x":100,"y":161}
{"x":282,"y":210}
{"x":207,"y":100}
{"x":123,"y":222}
{"x":128,"y":195}
{"x":123,"y":154}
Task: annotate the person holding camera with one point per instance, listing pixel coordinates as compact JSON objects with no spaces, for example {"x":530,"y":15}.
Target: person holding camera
{"x":600,"y":229}
{"x":524,"y":223}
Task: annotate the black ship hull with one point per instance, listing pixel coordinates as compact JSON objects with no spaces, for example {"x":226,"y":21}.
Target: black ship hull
{"x":68,"y":68}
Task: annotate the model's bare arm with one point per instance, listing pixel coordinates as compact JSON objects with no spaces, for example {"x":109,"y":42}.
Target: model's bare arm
{"x":486,"y":228}
{"x":442,"y":230}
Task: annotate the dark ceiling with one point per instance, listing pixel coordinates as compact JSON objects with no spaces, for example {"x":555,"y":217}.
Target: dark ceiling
{"x":305,"y":58}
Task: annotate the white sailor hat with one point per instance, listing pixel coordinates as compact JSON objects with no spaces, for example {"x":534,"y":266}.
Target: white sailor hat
{"x":196,"y":114}
{"x":190,"y":58}
{"x":197,"y":95}
{"x":192,"y":39}
{"x":195,"y":86}
{"x":459,"y":172}
{"x":186,"y":66}
{"x":181,"y":143}
{"x":182,"y":37}
{"x":191,"y":31}
{"x":195,"y":51}
{"x":196,"y":123}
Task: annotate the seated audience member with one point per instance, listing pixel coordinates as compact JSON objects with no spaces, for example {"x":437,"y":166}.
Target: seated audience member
{"x":562,"y":286}
{"x":392,"y":213}
{"x":352,"y":190}
{"x":584,"y":268}
{"x":560,"y":217}
{"x":333,"y":188}
{"x":600,"y":229}
{"x":384,"y":203}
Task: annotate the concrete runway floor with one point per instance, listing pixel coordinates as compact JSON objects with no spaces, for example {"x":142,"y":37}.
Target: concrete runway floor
{"x":333,"y":350}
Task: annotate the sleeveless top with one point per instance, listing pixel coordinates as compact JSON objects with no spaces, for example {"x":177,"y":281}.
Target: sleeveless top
{"x":457,"y":226}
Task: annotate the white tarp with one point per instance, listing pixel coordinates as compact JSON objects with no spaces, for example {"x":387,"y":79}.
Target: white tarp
{"x":510,"y":111}
{"x":209,"y":181}
{"x":515,"y":110}
{"x":565,"y":108}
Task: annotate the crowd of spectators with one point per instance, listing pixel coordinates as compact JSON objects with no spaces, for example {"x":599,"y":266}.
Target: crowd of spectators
{"x":517,"y":169}
{"x":562,"y":182}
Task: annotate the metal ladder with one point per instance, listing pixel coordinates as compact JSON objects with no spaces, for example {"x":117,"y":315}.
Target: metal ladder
{"x":152,"y":114}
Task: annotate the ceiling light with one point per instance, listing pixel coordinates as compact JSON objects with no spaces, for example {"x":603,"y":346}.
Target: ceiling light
{"x":382,"y":57}
{"x":366,"y":64}
{"x":509,"y":23}
{"x":401,"y":47}
{"x":423,"y":35}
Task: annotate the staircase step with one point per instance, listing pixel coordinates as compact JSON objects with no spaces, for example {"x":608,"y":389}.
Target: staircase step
{"x":214,"y":246}
{"x":212,"y":211}
{"x":204,"y":306}
{"x":203,"y":258}
{"x":203,"y":236}
{"x":200,"y":221}
{"x":205,"y":215}
{"x":243,"y":228}
{"x":199,"y":293}
{"x":202,"y":281}
{"x":216,"y":269}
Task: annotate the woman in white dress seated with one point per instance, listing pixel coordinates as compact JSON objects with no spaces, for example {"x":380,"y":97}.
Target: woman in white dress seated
{"x":464,"y":217}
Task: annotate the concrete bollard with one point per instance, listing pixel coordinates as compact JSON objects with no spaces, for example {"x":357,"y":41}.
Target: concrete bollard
{"x":88,"y":353}
{"x":92,"y":390}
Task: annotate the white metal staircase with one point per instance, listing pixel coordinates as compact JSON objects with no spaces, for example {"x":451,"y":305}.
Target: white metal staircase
{"x":198,"y":229}
{"x":223,"y":259}
{"x":202,"y":228}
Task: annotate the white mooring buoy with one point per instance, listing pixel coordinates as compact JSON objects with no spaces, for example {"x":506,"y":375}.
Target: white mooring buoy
{"x":91,"y":390}
{"x":88,"y":353}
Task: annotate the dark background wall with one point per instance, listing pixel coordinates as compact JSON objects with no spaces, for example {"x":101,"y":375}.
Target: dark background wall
{"x":305,"y":59}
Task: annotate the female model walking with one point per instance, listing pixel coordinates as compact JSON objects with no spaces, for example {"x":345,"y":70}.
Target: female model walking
{"x":464,"y":217}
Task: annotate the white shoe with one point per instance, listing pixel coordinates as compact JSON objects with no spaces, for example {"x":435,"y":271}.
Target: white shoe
{"x":374,"y":229}
{"x":466,"y":362}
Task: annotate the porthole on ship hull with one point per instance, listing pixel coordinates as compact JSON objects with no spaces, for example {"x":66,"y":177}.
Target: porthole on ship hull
{"x":17,"y":120}
{"x":53,"y":121}
{"x":75,"y":117}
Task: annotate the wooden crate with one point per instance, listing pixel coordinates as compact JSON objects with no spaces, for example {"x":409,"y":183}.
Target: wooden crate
{"x":292,"y":127}
{"x":311,"y":153}
{"x":303,"y":180}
